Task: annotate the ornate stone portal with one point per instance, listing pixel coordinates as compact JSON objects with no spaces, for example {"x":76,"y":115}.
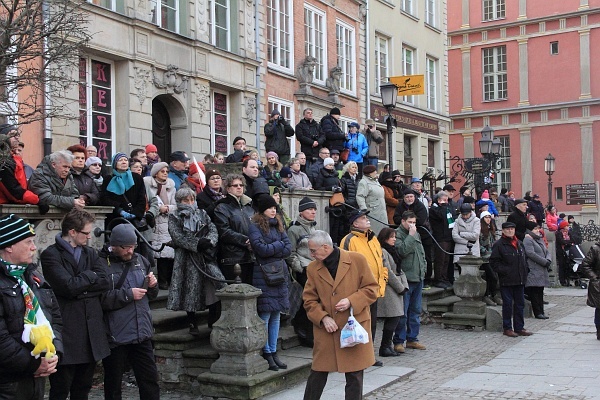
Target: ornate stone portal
{"x":240,"y":334}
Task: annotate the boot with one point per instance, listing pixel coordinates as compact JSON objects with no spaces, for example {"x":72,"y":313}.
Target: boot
{"x":386,"y":349}
{"x":161,"y":269}
{"x":214,"y":313}
{"x":191,"y":317}
{"x":269,"y":358}
{"x":598,"y":332}
{"x":279,"y":363}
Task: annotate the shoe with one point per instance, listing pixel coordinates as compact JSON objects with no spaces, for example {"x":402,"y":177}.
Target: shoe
{"x":598,"y":332}
{"x":440,"y":284}
{"x":279,"y":363}
{"x":488,"y":301}
{"x":426,"y":287}
{"x":269,"y":358}
{"x":415,"y":345}
{"x":497,"y":299}
{"x":399,"y":348}
{"x":541,"y":316}
{"x":447,"y":285}
{"x":378,"y":363}
{"x":387,"y":352}
{"x":194,"y":330}
{"x":523,"y":332}
{"x":510,"y":333}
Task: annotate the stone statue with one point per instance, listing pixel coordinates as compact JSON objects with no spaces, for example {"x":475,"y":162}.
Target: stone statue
{"x":305,"y":75}
{"x":333,"y":83}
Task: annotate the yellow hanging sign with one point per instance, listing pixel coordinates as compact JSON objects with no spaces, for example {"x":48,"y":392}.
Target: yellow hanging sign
{"x":409,"y":84}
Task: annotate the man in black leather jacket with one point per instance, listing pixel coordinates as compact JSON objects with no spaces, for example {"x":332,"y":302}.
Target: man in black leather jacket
{"x":310,"y":137}
{"x":22,"y":376}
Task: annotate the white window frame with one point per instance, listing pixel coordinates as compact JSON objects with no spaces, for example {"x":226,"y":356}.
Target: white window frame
{"x":493,"y":9}
{"x":10,"y":107}
{"x":277,"y":22}
{"x":113,"y":5}
{"x":344,"y":121}
{"x":554,"y":49}
{"x":212,"y":119}
{"x":431,"y":13}
{"x":157,"y":7}
{"x":495,"y":74}
{"x":408,"y":69}
{"x":408,"y":7}
{"x":381,"y":76}
{"x":286,"y":109}
{"x":346,"y":61}
{"x":89,"y":110}
{"x":432,"y":83}
{"x":213,"y":27}
{"x":504,"y":176}
{"x":311,"y":47}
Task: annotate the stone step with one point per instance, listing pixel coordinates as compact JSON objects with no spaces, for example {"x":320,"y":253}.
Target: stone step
{"x":181,"y":339}
{"x":433,"y":294}
{"x":165,"y":320}
{"x":160,"y":301}
{"x":463,"y":320}
{"x":442,"y":305}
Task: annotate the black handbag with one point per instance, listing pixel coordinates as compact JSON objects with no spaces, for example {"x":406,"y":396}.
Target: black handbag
{"x":273,"y":272}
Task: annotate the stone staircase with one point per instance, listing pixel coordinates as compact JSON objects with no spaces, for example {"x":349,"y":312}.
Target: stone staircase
{"x":181,"y":357}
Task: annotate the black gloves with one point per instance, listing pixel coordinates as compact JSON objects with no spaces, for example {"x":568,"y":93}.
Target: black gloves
{"x":150,"y":219}
{"x":203,"y":244}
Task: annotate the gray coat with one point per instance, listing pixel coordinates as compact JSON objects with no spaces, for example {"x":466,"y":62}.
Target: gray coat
{"x":392,"y":303}
{"x":51,"y":190}
{"x":465,"y":232}
{"x":298,"y":234}
{"x":371,"y":196}
{"x":374,"y":139}
{"x":161,"y":229}
{"x":537,"y":258}
{"x":190,"y":290}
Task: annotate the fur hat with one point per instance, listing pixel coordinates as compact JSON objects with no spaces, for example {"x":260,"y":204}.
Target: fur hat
{"x":13,"y":229}
{"x":157,"y":167}
{"x":306,"y":203}
{"x":265,"y":202}
{"x":123,"y":235}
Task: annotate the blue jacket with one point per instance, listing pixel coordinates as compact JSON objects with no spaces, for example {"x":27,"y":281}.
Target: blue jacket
{"x":357,"y":143}
{"x":491,"y":207}
{"x":270,"y":247}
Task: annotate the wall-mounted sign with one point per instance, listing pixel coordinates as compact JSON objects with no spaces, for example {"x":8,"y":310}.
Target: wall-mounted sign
{"x":409,"y":84}
{"x":583,"y":193}
{"x":406,"y":120}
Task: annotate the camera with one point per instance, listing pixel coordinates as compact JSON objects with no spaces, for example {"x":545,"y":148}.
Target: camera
{"x":355,"y":150}
{"x":281,"y":119}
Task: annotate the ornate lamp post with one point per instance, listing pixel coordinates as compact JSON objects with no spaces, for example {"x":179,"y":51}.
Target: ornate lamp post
{"x":549,"y":168}
{"x":389,"y":96}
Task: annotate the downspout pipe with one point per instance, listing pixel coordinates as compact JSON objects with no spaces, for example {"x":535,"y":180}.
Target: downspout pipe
{"x":258,"y":98}
{"x":367,"y":63}
{"x":47,"y":141}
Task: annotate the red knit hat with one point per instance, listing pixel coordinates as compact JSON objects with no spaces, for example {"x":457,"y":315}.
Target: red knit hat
{"x":150,"y":148}
{"x":563,"y":225}
{"x":194,"y":169}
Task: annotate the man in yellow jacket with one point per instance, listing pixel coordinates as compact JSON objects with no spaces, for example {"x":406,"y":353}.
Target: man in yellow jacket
{"x":363,"y":240}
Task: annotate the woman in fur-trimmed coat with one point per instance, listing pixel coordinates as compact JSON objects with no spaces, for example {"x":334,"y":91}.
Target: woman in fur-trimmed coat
{"x":195,"y":238}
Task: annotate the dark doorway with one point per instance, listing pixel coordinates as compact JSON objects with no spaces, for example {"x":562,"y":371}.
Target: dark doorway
{"x":161,"y":129}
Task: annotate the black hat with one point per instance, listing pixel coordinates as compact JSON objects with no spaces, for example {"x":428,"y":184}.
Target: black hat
{"x":275,"y":112}
{"x":504,"y":191}
{"x":178,"y":156}
{"x":536,"y":196}
{"x":408,"y":191}
{"x":334,"y":151}
{"x":468,"y":199}
{"x":13,"y":229}
{"x":123,"y":235}
{"x":335,"y":111}
{"x":286,"y":172}
{"x":466,"y":208}
{"x":385,"y":176}
{"x":506,"y":225}
{"x":238,"y":138}
{"x":449,"y":188}
{"x":520,"y":201}
{"x":264,"y":202}
{"x":357,"y":214}
{"x":306,"y":203}
{"x":396,"y":173}
{"x":530,"y":225}
{"x":369,"y":169}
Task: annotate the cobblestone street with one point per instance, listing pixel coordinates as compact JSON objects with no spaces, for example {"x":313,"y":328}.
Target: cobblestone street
{"x":446,"y":369}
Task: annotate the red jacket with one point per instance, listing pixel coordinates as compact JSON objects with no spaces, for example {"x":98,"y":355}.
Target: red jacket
{"x":13,"y":184}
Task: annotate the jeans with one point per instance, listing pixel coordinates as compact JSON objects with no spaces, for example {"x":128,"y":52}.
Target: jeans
{"x":141,"y":359}
{"x":513,"y":303}
{"x":410,"y":323}
{"x":75,"y":379}
{"x":371,"y":160}
{"x":272,"y":320}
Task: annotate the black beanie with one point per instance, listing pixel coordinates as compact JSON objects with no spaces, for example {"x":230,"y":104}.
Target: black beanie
{"x":306,"y":203}
{"x":265,"y":202}
{"x":238,"y":138}
{"x":335,"y":111}
{"x":13,"y":229}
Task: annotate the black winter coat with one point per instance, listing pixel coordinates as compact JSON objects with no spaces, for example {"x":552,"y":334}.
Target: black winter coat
{"x":313,"y":171}
{"x":590,"y":268}
{"x":133,"y":200}
{"x":86,"y":186}
{"x":206,"y":203}
{"x":277,"y":133}
{"x":16,"y":362}
{"x":520,"y":220}
{"x":509,"y":263}
{"x":349,"y":188}
{"x":232,"y":218}
{"x":270,"y":247}
{"x":334,"y":137}
{"x":438,"y":219}
{"x":256,"y":186}
{"x":537,"y":208}
{"x":78,"y":286}
{"x":307,"y":132}
{"x":326,"y":180}
{"x":419,"y":209}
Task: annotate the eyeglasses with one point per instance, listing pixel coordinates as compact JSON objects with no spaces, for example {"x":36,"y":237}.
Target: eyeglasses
{"x":313,"y":251}
{"x":371,"y":126}
{"x":95,"y":165}
{"x":237,"y":185}
{"x":214,"y":178}
{"x":84,"y":232}
{"x":130,"y":247}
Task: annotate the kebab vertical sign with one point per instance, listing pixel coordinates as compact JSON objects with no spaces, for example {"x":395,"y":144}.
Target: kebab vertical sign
{"x":409,"y":84}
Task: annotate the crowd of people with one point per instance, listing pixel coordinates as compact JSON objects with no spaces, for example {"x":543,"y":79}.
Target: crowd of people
{"x":387,"y":242}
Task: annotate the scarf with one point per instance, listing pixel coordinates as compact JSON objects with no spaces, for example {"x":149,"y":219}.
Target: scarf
{"x":120,"y":182}
{"x":214,"y":194}
{"x":74,"y":251}
{"x":162,"y":194}
{"x":395,"y":255}
{"x":192,"y":220}
{"x":332,"y":261}
{"x":513,"y":241}
{"x":34,"y":316}
{"x":179,"y":174}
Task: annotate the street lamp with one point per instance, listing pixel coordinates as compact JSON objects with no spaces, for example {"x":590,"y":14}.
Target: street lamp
{"x":549,"y":168}
{"x":389,"y":96}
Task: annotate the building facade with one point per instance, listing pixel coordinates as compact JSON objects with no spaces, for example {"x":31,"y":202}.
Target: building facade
{"x":182,"y":75}
{"x":408,"y":37}
{"x":525,"y":69}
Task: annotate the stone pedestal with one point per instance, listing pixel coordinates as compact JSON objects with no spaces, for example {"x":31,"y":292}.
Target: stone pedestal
{"x":240,"y":334}
{"x":470,"y":287}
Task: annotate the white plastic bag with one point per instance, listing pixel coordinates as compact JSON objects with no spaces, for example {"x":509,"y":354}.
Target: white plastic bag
{"x":353,"y":333}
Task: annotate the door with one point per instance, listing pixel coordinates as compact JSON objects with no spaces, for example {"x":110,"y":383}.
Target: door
{"x":161,"y":129}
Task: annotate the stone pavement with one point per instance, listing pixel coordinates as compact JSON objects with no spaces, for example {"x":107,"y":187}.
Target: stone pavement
{"x":560,"y":361}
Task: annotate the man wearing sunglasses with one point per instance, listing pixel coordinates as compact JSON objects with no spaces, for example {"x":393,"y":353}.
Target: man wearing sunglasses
{"x":126,"y":306}
{"x":374,"y":139}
